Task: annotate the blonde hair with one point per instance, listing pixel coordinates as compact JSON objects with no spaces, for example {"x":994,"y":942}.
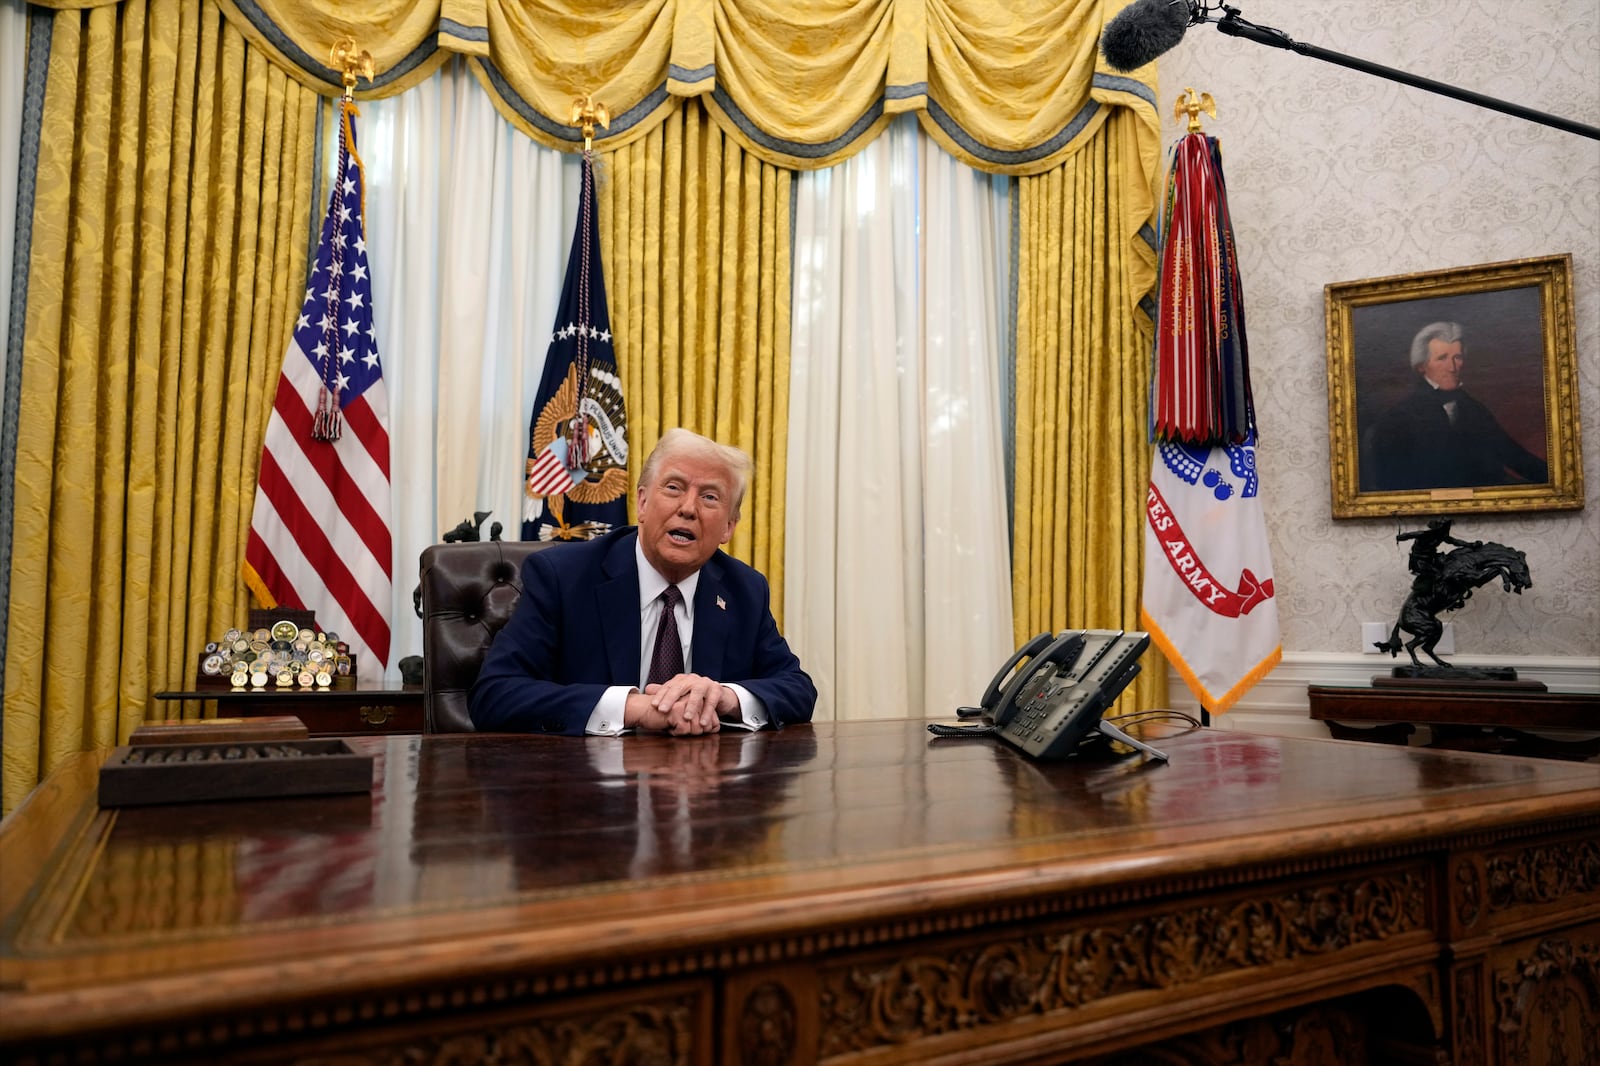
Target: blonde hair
{"x":678,"y":442}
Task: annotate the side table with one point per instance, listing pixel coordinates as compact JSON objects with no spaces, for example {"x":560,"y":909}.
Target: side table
{"x":373,"y":706}
{"x":1464,"y":718}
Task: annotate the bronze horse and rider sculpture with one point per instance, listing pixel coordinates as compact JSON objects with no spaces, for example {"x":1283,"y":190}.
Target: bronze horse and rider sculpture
{"x":1444,"y":581}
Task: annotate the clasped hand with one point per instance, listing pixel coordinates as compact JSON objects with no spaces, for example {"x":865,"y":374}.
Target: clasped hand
{"x":685,"y":705}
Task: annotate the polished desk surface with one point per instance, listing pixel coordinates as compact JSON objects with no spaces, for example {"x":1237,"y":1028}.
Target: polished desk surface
{"x":499,"y":853}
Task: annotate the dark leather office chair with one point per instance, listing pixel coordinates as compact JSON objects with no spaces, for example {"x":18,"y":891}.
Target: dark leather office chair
{"x":468,"y":592}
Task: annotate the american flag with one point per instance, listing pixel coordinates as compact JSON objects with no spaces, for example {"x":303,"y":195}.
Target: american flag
{"x":319,"y":535}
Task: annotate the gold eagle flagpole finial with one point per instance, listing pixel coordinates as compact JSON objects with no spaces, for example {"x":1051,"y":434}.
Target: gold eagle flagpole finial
{"x":587,"y":112}
{"x":1192,"y":105}
{"x":351,"y":60}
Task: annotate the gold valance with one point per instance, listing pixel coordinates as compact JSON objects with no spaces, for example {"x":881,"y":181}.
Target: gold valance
{"x":1010,"y":87}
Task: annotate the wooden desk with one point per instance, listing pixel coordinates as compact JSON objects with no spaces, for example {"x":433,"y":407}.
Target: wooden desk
{"x":847,"y":893}
{"x":1485,"y":719}
{"x":373,"y":706}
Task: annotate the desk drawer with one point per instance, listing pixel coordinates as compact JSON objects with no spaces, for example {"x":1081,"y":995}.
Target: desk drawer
{"x":377,"y":708}
{"x":375,"y":713}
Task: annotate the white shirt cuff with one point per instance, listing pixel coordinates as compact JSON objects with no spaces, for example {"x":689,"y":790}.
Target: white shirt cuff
{"x":752,"y":712}
{"x":606,"y":718}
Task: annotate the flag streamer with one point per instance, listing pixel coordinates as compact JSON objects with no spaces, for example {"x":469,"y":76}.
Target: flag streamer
{"x":1200,"y":390}
{"x":320,"y":529}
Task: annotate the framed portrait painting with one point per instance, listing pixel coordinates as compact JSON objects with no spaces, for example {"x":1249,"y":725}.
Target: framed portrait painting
{"x":1454,"y":391}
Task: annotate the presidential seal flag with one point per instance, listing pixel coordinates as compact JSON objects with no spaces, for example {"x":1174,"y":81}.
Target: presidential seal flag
{"x":1209,"y":602}
{"x":1208,"y":598}
{"x":576,"y":483}
{"x":319,"y":533}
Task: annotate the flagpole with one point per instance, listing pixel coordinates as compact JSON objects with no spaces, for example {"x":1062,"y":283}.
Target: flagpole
{"x":1208,"y":597}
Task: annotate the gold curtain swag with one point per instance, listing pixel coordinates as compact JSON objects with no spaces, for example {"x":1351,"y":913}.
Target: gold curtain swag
{"x":1009,"y":89}
{"x":695,"y":233}
{"x":168,"y":244}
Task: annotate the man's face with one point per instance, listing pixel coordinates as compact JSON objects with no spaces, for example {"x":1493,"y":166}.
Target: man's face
{"x":685,"y":514}
{"x":1443,"y":365}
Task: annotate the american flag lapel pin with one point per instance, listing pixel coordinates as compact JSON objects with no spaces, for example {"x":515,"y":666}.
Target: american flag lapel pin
{"x":722,"y":604}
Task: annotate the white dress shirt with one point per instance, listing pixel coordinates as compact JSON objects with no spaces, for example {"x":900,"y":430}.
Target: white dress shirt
{"x":606,"y":718}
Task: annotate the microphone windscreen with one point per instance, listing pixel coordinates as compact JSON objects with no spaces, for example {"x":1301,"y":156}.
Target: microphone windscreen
{"x":1142,"y":31}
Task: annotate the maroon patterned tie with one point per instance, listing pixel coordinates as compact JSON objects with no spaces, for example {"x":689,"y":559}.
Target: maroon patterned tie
{"x":666,"y":662}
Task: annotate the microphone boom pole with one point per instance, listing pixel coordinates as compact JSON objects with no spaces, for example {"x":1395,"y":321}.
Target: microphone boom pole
{"x":1231,"y":24}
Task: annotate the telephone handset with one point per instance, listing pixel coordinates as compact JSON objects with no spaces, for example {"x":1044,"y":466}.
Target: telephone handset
{"x":999,"y":705}
{"x":1050,"y":704}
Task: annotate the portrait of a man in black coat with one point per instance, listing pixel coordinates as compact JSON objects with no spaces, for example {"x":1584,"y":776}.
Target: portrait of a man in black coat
{"x":1439,"y":433}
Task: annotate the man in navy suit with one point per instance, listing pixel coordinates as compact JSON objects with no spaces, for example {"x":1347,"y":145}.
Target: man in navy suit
{"x":648,"y":627}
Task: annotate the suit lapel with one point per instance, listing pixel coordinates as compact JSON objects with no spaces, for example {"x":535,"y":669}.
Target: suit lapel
{"x":618,"y":601}
{"x":711,"y":621}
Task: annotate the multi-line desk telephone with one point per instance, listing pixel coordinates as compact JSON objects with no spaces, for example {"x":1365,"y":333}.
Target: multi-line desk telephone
{"x":1054,"y":700}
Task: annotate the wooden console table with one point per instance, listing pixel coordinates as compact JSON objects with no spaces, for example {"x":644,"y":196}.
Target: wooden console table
{"x":373,"y":706}
{"x":848,"y":893}
{"x":1499,"y":720}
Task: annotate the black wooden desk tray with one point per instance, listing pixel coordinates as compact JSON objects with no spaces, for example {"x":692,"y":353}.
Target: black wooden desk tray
{"x":189,"y":773}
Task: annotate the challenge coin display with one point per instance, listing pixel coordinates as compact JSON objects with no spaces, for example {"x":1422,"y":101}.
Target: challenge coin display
{"x":280,"y":653}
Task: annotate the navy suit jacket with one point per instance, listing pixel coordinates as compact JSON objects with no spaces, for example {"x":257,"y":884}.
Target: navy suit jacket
{"x":575,"y":633}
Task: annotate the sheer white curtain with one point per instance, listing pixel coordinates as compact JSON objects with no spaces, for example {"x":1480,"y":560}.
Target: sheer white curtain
{"x":897,"y":569}
{"x":468,"y":223}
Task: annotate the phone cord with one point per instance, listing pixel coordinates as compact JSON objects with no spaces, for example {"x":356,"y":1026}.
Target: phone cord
{"x":938,"y":729}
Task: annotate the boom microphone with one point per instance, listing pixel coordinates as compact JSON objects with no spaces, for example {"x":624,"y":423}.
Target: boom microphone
{"x":1144,"y":30}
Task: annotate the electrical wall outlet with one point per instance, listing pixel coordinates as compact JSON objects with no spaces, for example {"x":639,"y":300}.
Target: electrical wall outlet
{"x":1373,"y":633}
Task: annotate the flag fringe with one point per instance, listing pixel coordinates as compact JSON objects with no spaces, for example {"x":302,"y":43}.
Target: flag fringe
{"x":1214,"y":704}
{"x":257,"y":587}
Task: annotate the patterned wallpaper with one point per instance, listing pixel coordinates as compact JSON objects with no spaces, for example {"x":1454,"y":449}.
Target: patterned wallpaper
{"x":1336,"y":175}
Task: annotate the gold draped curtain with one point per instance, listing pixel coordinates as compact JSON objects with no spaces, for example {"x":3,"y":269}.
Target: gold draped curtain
{"x":694,"y":233}
{"x":1083,"y":375}
{"x":1009,"y":88}
{"x":172,"y":193}
{"x":172,"y":217}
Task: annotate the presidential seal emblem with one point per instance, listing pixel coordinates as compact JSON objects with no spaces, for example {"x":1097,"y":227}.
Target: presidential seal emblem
{"x":578,"y":452}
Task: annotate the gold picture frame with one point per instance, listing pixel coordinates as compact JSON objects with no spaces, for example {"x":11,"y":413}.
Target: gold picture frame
{"x":1400,"y":444}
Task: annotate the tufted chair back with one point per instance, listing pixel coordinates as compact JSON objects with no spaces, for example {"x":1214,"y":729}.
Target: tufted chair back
{"x":468,"y":592}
